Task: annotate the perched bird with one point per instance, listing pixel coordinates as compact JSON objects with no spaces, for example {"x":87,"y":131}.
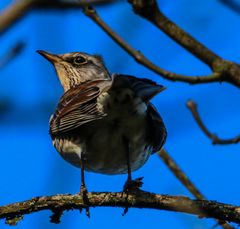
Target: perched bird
{"x":103,"y":123}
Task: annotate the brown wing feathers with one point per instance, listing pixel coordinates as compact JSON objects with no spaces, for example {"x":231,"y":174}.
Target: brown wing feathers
{"x":76,"y":107}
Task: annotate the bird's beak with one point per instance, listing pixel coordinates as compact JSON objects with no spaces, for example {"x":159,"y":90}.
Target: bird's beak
{"x":53,"y":58}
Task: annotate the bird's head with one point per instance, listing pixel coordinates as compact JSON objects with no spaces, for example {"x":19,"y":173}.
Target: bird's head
{"x":77,"y":67}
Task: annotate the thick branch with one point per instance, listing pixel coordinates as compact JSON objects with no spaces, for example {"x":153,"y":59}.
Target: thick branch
{"x":215,"y":139}
{"x":140,"y":58}
{"x":148,"y":9}
{"x":201,"y":208}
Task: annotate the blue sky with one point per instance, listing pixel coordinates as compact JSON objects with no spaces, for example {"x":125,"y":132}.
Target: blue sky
{"x":29,"y":164}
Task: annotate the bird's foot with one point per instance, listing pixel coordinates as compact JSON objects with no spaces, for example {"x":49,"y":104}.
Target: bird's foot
{"x":133,"y":185}
{"x":83,"y":191}
{"x":84,"y":194}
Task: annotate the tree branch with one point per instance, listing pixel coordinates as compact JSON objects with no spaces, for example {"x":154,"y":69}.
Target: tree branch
{"x":215,"y":139}
{"x":59,"y":203}
{"x":148,"y":9}
{"x":182,"y":177}
{"x":140,"y":58}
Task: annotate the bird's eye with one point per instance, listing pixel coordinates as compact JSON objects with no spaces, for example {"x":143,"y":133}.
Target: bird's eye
{"x":79,"y":60}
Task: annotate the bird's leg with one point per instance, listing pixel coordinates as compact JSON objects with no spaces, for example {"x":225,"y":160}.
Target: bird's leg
{"x":83,"y":189}
{"x":130,"y":184}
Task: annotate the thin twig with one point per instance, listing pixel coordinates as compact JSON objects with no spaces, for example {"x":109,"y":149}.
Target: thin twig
{"x":182,"y":177}
{"x":215,"y":139}
{"x":202,"y":208}
{"x":12,"y":53}
{"x":176,"y":170}
{"x":140,"y":58}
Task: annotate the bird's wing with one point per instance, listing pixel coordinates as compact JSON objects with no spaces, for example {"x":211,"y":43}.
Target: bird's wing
{"x":144,"y":88}
{"x":78,"y":106}
{"x":157,"y":133}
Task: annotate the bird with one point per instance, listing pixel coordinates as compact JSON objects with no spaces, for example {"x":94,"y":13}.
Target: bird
{"x":104,"y":123}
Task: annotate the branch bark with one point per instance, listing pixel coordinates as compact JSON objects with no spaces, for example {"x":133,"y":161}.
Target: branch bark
{"x":192,"y":106}
{"x":141,"y":199}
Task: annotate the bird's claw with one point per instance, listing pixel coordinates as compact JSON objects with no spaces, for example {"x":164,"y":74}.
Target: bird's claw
{"x":84,"y":194}
{"x":133,"y":185}
{"x":83,"y":191}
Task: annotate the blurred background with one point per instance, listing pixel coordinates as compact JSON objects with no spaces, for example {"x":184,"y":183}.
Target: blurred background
{"x":29,"y":92}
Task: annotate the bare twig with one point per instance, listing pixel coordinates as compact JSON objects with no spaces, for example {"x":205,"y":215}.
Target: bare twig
{"x":12,"y":53}
{"x":201,"y":208}
{"x":228,"y":71}
{"x":140,"y":58}
{"x":176,"y":170}
{"x":19,"y":8}
{"x":182,"y":177}
{"x":215,"y":139}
